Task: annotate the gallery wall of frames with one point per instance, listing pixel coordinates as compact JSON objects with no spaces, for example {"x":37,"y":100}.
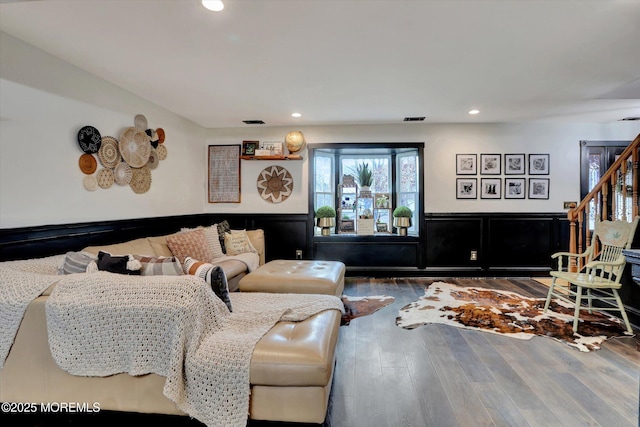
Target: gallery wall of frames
{"x":498,"y":176}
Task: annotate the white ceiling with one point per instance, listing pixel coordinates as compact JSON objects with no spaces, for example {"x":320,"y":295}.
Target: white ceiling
{"x":353,"y":61}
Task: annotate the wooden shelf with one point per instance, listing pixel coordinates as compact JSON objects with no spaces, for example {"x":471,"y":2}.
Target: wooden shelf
{"x":287,"y":157}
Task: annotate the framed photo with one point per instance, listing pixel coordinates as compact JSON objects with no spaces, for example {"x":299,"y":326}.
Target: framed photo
{"x":491,"y":188}
{"x":275,"y":148}
{"x":514,"y":164}
{"x":249,"y":148}
{"x":466,"y":188}
{"x":490,"y":164}
{"x":538,"y":164}
{"x":514,"y":188}
{"x":466,"y":164}
{"x":538,"y":188}
{"x":224,"y":173}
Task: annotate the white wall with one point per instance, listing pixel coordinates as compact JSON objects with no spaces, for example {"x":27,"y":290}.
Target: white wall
{"x":44,"y":101}
{"x":442,"y":143}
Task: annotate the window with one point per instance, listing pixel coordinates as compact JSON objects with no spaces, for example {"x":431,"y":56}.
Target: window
{"x":397,"y":180}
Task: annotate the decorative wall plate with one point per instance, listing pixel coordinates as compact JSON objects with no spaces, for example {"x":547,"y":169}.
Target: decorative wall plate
{"x":141,"y":180}
{"x":87,"y":163}
{"x":140,"y":121}
{"x":105,"y":178}
{"x":122,"y":174}
{"x":90,"y":182}
{"x":109,"y":154}
{"x":162,"y":151}
{"x":89,"y":139}
{"x":275,"y":184}
{"x":135,"y":147}
{"x":153,"y":159}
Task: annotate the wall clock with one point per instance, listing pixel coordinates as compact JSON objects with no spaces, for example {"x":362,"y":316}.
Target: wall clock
{"x":275,"y":184}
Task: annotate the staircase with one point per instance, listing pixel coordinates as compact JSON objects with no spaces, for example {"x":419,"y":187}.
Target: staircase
{"x":615,"y":196}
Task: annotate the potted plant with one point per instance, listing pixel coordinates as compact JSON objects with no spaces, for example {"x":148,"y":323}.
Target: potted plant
{"x":365,"y":177}
{"x":402,"y":219}
{"x":326,"y":218}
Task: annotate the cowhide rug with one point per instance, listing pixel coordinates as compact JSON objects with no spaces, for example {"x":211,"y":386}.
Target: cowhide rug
{"x":507,"y":313}
{"x":363,"y":306}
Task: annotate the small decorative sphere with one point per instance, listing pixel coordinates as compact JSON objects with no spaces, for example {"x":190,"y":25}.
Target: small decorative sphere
{"x":295,"y":141}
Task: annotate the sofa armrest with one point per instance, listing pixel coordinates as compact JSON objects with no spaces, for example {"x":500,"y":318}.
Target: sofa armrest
{"x":257,"y":240}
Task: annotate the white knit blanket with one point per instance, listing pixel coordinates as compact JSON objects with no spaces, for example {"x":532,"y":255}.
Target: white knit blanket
{"x":20,"y":283}
{"x":175,"y":326}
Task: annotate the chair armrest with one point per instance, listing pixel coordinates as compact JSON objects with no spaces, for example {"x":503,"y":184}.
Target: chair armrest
{"x":568,"y":254}
{"x":597,"y":264}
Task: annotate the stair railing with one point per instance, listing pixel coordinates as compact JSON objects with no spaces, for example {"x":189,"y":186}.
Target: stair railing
{"x":613,"y":184}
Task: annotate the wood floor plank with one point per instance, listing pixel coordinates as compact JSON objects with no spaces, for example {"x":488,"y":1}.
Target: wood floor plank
{"x":497,"y":403}
{"x":468,"y":407}
{"x":402,"y":408}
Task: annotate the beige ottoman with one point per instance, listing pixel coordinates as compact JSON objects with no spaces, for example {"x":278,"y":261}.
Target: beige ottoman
{"x":296,"y":277}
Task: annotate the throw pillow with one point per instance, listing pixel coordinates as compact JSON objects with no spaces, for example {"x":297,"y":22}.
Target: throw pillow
{"x":75,"y":262}
{"x":125,"y":264}
{"x":223,"y":228}
{"x":237,"y":242}
{"x":159,"y":266}
{"x":190,"y":244}
{"x":213,"y":275}
{"x":213,"y":240}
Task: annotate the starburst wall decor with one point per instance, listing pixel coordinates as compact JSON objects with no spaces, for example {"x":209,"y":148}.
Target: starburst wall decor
{"x":275,"y":184}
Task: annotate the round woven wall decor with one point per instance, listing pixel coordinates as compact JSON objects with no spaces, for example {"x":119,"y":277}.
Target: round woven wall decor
{"x":87,"y":163}
{"x":135,"y":146}
{"x":105,"y":178}
{"x":140,"y":180}
{"x":108,"y":152}
{"x":122,"y":174}
{"x":275,"y":184}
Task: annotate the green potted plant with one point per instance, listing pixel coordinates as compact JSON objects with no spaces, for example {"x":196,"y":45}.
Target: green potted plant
{"x":326,"y":218}
{"x":402,"y":219}
{"x":364,"y":175}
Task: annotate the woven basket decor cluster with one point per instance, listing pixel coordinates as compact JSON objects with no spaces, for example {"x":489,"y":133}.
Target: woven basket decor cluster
{"x":126,"y":161}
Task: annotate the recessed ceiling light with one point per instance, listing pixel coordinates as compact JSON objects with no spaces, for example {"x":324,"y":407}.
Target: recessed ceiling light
{"x":474,"y":111}
{"x":296,"y":115}
{"x":214,"y":5}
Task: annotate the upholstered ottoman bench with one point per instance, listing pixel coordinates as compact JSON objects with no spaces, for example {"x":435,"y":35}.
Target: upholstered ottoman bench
{"x":296,"y":277}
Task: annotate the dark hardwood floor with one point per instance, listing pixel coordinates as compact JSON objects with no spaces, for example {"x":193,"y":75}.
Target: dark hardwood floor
{"x":439,"y":375}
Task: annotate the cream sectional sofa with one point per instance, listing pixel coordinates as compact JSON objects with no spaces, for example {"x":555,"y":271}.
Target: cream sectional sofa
{"x":291,"y":370}
{"x":157,"y":246}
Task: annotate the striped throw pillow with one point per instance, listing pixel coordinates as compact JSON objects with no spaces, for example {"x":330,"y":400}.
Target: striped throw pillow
{"x":159,"y":266}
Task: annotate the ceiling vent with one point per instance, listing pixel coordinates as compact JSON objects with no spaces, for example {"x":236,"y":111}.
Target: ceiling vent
{"x":629,"y":119}
{"x":253,"y":122}
{"x":414,"y":119}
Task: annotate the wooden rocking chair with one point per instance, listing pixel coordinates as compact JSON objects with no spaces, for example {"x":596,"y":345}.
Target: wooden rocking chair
{"x":603,"y":263}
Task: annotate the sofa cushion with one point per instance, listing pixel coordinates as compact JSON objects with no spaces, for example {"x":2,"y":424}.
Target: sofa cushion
{"x":191,"y":243}
{"x":212,"y":274}
{"x":159,"y":266}
{"x":159,"y":245}
{"x":212,"y":239}
{"x":138,"y":246}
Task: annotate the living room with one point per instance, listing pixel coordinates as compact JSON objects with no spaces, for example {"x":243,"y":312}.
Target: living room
{"x":45,"y":99}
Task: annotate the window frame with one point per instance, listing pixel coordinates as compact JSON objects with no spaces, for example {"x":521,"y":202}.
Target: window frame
{"x":369,"y":150}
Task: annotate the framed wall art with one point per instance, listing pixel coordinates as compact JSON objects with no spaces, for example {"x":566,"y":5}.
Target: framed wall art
{"x":249,"y":148}
{"x":466,"y":164}
{"x":490,"y":164}
{"x":538,"y":188}
{"x":514,"y":188}
{"x":514,"y":164}
{"x":466,"y":188}
{"x":490,"y":188}
{"x":224,"y":173}
{"x":538,"y":164}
